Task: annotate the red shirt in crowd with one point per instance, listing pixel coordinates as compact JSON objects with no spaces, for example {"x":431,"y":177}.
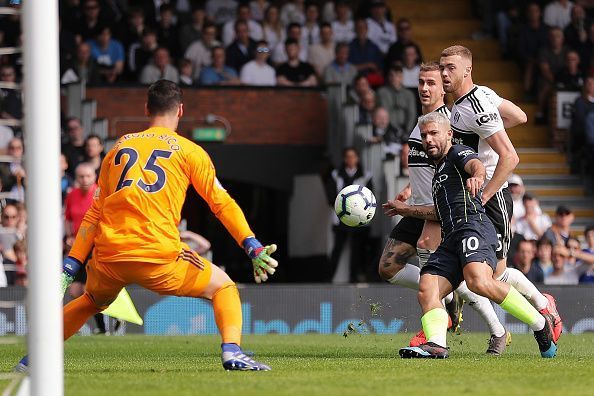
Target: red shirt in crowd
{"x":76,"y":205}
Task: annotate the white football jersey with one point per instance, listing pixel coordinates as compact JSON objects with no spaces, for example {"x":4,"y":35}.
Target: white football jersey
{"x":474,"y":118}
{"x":420,"y":168}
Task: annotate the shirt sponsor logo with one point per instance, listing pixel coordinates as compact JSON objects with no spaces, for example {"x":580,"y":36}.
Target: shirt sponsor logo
{"x":486,"y":118}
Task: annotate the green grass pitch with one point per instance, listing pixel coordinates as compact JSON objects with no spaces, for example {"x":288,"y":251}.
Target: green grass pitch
{"x":317,"y":365}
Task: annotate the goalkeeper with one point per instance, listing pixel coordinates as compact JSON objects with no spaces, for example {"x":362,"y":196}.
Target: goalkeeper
{"x":132,"y":225}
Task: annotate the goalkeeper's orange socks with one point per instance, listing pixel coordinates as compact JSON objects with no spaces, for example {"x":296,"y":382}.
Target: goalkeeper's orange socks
{"x":76,"y":313}
{"x":227,"y":311}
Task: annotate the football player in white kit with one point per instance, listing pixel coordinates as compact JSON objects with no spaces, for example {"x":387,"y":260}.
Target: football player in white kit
{"x":415,"y":235}
{"x":477,"y":122}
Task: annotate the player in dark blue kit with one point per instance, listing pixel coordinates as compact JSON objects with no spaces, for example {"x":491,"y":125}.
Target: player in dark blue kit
{"x":469,"y":242}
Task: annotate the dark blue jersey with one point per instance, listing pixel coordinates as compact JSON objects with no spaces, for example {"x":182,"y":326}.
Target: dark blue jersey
{"x":454,"y":205}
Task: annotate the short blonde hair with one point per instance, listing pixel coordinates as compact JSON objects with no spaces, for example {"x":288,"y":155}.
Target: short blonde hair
{"x":457,"y":50}
{"x":429,"y":66}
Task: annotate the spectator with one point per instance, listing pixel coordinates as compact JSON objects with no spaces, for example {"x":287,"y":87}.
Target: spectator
{"x":544,"y":252}
{"x":576,"y":33}
{"x":241,"y":51}
{"x":558,"y":13}
{"x":272,"y":28}
{"x":192,"y":31}
{"x":293,"y":12}
{"x":11,"y":102}
{"x":570,"y":77}
{"x":294,"y":72}
{"x":532,"y":37}
{"x":517,"y":190}
{"x":218,"y":73}
{"x":551,"y":59}
{"x":393,"y":142}
{"x":587,"y":53}
{"x":321,"y":54}
{"x":524,"y":262}
{"x":350,"y":172}
{"x":221,"y":11}
{"x":167,"y":30}
{"x":534,"y":223}
{"x":566,"y":269}
{"x":360,"y":87}
{"x":581,"y":139}
{"x":199,"y":51}
{"x":108,"y":54}
{"x":186,"y":77}
{"x":257,"y":71}
{"x":367,"y":107}
{"x":396,"y":51}
{"x":74,"y":148}
{"x":132,"y":32}
{"x":243,"y":14}
{"x":363,"y":53}
{"x":22,"y":260}
{"x":91,"y":21}
{"x":160,"y":69}
{"x":79,"y":200}
{"x":141,"y":53}
{"x":12,"y":173}
{"x":9,"y":232}
{"x":340,"y":70}
{"x":411,"y":68}
{"x":5,"y":274}
{"x":343,"y":27}
{"x":66,"y":181}
{"x":83,"y":66}
{"x":94,"y":153}
{"x":588,"y":277}
{"x":399,"y":101}
{"x":258,"y":9}
{"x":310,"y":30}
{"x":381,"y":30}
{"x":293,"y":32}
{"x":558,"y":233}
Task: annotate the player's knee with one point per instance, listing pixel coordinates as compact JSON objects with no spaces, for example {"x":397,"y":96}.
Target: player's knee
{"x":479,"y":285}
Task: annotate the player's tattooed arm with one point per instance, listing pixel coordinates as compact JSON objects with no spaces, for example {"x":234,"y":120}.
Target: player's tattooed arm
{"x":396,"y":207}
{"x":476,"y":170}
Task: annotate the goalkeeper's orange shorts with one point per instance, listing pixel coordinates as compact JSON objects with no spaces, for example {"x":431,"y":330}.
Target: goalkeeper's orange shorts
{"x":179,"y":278}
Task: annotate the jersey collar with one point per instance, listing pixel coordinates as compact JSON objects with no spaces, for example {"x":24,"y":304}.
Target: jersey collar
{"x":466,"y":95}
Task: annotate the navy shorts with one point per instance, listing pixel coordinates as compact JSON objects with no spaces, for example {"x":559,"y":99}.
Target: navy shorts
{"x":408,"y":230}
{"x":500,"y":209}
{"x":473,"y":242}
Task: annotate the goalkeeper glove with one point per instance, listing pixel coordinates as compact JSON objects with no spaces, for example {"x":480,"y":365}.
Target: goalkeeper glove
{"x":70,"y":268}
{"x":261,"y":260}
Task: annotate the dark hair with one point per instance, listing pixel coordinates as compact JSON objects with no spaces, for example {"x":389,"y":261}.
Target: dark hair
{"x":395,"y":69}
{"x":572,"y":239}
{"x":148,"y":30}
{"x":324,"y":25}
{"x":350,"y":148}
{"x":93,"y":136}
{"x":527,"y":197}
{"x":588,"y":229}
{"x":358,"y":77}
{"x":163,"y":96}
{"x":544,"y":241}
{"x":239,"y":22}
{"x":208,"y":24}
{"x":291,"y":41}
{"x":292,"y":25}
{"x":340,"y":46}
{"x":262,"y":42}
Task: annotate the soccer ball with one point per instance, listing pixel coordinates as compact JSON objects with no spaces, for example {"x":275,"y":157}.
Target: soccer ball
{"x":355,"y":205}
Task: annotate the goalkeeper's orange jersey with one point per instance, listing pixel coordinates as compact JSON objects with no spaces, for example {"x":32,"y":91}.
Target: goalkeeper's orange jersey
{"x":142,"y":187}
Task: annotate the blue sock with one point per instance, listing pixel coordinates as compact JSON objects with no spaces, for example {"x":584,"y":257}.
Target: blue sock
{"x":230,"y":347}
{"x":25,"y":360}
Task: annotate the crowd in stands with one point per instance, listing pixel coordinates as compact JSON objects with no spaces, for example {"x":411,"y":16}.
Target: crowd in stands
{"x":296,"y":43}
{"x":543,"y":248}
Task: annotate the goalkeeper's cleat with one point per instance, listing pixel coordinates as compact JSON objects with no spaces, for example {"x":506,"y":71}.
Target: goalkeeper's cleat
{"x":23,"y":365}
{"x":544,"y":338}
{"x":429,"y":350}
{"x":497,"y":344}
{"x":235,"y":359}
{"x":551,"y":309}
{"x":454,"y":309}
